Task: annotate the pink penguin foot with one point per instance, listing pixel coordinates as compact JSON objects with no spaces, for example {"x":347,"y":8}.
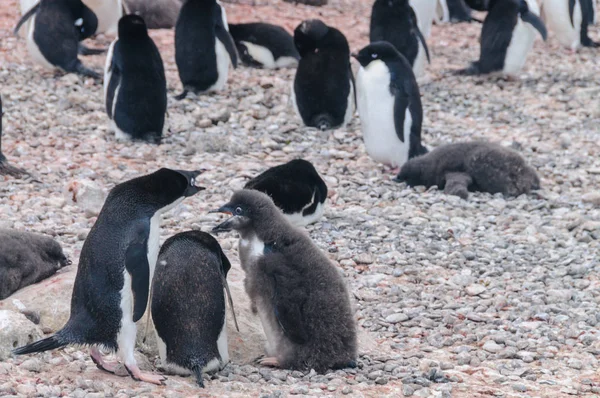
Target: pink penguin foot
{"x":138,"y":375}
{"x":113,"y":367}
{"x":269,"y":361}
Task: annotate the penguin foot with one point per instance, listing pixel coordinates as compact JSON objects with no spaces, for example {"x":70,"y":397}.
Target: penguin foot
{"x":113,"y":367}
{"x":7,"y":169}
{"x":84,"y":50}
{"x":269,"y":361}
{"x":590,"y":43}
{"x":82,"y":70}
{"x":138,"y":375}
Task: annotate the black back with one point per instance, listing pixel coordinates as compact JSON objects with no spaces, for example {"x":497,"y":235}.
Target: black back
{"x":137,"y":69}
{"x":323,"y":77}
{"x":273,"y":37}
{"x":459,"y":11}
{"x":587,"y":13}
{"x":292,"y":186}
{"x":188,"y":301}
{"x":496,"y":34}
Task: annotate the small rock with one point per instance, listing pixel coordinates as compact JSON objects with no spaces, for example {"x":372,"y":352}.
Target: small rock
{"x":363,"y":258}
{"x":407,"y":390}
{"x":491,"y":346}
{"x":299,"y":390}
{"x":591,"y":197}
{"x":469,"y":255}
{"x":397,"y":317}
{"x":16,"y":331}
{"x":475,"y":289}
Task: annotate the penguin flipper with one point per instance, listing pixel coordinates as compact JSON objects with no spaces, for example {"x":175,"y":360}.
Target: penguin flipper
{"x":136,"y":264}
{"x":571,"y":11}
{"x":84,"y":50}
{"x":536,"y":22}
{"x":422,"y":39}
{"x":25,"y":17}
{"x":225,"y":38}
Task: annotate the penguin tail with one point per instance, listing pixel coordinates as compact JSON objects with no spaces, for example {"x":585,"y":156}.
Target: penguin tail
{"x":182,"y":95}
{"x":197,"y":370}
{"x":49,"y":343}
{"x":322,"y":122}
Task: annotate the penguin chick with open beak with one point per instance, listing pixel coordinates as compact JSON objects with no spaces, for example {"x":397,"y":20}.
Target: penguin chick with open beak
{"x":300,"y":296}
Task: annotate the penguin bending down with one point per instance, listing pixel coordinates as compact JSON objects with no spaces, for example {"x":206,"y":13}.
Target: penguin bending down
{"x":188,"y":304}
{"x":471,"y":166}
{"x":203,"y":47}
{"x":296,"y":188}
{"x":116,"y":266}
{"x":300,"y":296}
{"x":389,"y":105}
{"x":395,"y":21}
{"x":55,"y":30}
{"x":5,"y":167}
{"x":264,"y":45}
{"x":507,"y":36}
{"x":135,"y":87}
{"x":323,"y":89}
{"x":570,"y":19}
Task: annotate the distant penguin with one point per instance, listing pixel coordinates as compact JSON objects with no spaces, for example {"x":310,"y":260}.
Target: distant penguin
{"x":455,"y":11}
{"x":569,"y":20}
{"x":299,"y":295}
{"x":115,"y":268}
{"x":5,"y":167}
{"x":323,"y":89}
{"x":188,"y":304}
{"x":27,"y":258}
{"x":507,"y":36}
{"x":425,"y":12}
{"x":203,"y":47}
{"x":471,"y":166}
{"x":389,"y":105}
{"x":395,"y":21}
{"x":264,"y":45}
{"x":55,"y":30}
{"x":158,"y":14}
{"x":135,"y":87}
{"x":296,"y":188}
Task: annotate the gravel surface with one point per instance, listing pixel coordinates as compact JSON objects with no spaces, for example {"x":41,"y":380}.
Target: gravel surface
{"x":489,"y":296}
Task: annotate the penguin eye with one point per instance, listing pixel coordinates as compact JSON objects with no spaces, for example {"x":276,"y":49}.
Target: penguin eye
{"x":79,"y":22}
{"x":238,"y":211}
{"x":192,"y":181}
{"x":374,"y":55}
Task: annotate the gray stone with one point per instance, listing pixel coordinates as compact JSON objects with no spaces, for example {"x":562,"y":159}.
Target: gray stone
{"x":16,"y":331}
{"x":397,"y":317}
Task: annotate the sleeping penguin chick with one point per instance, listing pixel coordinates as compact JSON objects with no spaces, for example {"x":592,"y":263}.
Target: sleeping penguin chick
{"x":471,"y":166}
{"x":300,"y":296}
{"x":188,"y":304}
{"x":296,"y":188}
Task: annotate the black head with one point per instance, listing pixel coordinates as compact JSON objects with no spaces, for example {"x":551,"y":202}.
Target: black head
{"x":379,"y":50}
{"x":410,"y":173}
{"x":395,"y":3}
{"x":479,"y":5}
{"x":308,"y":34}
{"x":246,"y":207}
{"x":132,"y":25}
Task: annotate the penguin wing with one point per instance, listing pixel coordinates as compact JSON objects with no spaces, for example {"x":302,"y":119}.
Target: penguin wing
{"x":535,"y":21}
{"x":224,"y":36}
{"x":113,"y":74}
{"x":25,"y":17}
{"x":136,"y":264}
{"x":571,"y":11}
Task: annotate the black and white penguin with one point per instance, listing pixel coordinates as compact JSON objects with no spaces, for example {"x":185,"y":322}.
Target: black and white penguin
{"x":299,"y":295}
{"x":569,"y":20}
{"x":456,"y":11}
{"x":507,"y":36}
{"x":116,"y":266}
{"x":323,"y":89}
{"x":135,"y":87}
{"x":395,"y":21}
{"x":158,"y":14}
{"x":203,"y":47}
{"x":264,"y":45}
{"x":188,"y":304}
{"x":5,"y":167}
{"x":389,"y":105}
{"x":55,"y":29}
{"x":471,"y":166}
{"x":296,"y":188}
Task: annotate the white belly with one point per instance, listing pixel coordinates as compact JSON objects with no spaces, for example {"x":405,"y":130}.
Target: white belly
{"x":107,"y":71}
{"x":271,"y":332}
{"x":260,"y":54}
{"x":33,"y":49}
{"x":26,"y":6}
{"x":419,"y":65}
{"x":252,"y":247}
{"x":521,"y":43}
{"x":556,"y":17}
{"x":425,"y":11}
{"x":286,"y":62}
{"x":300,"y":220}
{"x":350,"y":107}
{"x":376,"y":110}
{"x":223,"y":61}
{"x":442,"y":14}
{"x":108,"y":13}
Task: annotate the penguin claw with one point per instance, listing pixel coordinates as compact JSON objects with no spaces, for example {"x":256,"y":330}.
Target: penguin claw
{"x":269,"y":361}
{"x":138,"y":375}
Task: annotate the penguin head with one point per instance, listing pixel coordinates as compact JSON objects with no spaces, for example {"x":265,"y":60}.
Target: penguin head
{"x":308,"y":34}
{"x":377,"y":51}
{"x":245,"y":207}
{"x":132,"y":25}
{"x":410,"y":173}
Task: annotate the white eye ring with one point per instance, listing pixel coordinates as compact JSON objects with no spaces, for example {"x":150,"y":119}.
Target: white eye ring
{"x":373,"y":56}
{"x":79,"y":22}
{"x":192,"y":181}
{"x":238,"y":210}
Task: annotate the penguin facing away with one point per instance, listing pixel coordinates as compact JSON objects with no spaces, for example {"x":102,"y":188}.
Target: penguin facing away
{"x":299,"y":295}
{"x":569,"y":20}
{"x":5,"y":167}
{"x":203,"y":47}
{"x":296,"y":188}
{"x":264,"y":45}
{"x":116,"y":266}
{"x":507,"y":36}
{"x":323,"y":89}
{"x":389,"y":105}
{"x":188,"y":304}
{"x":456,"y":11}
{"x":135,"y":87}
{"x":158,"y":14}
{"x":471,"y":166}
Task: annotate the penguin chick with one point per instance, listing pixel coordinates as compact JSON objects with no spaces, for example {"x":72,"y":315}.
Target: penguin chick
{"x":27,"y":258}
{"x":296,"y":188}
{"x":188,"y":304}
{"x":5,"y":167}
{"x":471,"y":166}
{"x":300,"y":296}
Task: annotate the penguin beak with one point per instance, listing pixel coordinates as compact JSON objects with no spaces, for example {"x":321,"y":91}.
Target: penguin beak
{"x":226,"y":209}
{"x":228,"y":224}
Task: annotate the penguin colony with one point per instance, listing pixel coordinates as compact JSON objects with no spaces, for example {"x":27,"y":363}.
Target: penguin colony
{"x":298,"y":294}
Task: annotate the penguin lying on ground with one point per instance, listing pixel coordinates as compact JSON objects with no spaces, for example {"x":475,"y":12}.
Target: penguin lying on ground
{"x":264,"y":45}
{"x":5,"y":167}
{"x":115,"y":268}
{"x":203,"y":47}
{"x":296,"y":188}
{"x":569,"y":20}
{"x":27,"y":258}
{"x":135,"y":87}
{"x":389,"y":105}
{"x":300,"y":296}
{"x":507,"y":36}
{"x":323,"y":89}
{"x":158,"y":14}
{"x":188,"y":304}
{"x":471,"y":166}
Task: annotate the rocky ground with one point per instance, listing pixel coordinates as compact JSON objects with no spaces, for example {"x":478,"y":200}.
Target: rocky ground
{"x":485,"y":296}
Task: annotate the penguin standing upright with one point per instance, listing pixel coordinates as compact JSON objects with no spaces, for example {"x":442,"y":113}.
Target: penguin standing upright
{"x":300,"y":296}
{"x":395,"y":21}
{"x":203,"y":47}
{"x":569,"y":20}
{"x":5,"y":167}
{"x":455,"y":11}
{"x":507,"y":36}
{"x":323,"y":89}
{"x":115,"y":268}
{"x":425,"y":12}
{"x":389,"y":105}
{"x":188,"y":304}
{"x":264,"y":45}
{"x":135,"y":87}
